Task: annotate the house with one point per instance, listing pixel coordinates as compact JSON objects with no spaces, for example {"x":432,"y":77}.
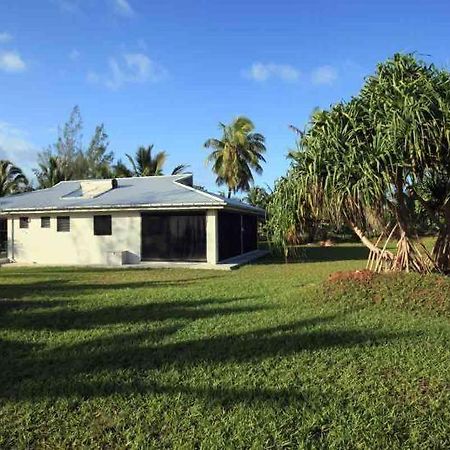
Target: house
{"x":126,"y":221}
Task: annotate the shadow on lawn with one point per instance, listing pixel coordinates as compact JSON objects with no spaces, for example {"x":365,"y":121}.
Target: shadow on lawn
{"x":136,"y":363}
{"x":65,"y":287}
{"x":307,"y":254}
{"x":65,"y":319}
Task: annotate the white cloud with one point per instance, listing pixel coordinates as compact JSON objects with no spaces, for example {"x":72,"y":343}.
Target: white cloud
{"x":74,"y":54}
{"x":11,"y":61}
{"x":15,"y":146}
{"x":263,"y":72}
{"x":119,"y":7}
{"x":69,"y":6}
{"x":5,"y":37}
{"x":123,"y":8}
{"x":324,"y":75}
{"x":129,"y":68}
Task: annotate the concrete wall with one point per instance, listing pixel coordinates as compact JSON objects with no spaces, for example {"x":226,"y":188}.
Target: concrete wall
{"x":79,"y":246}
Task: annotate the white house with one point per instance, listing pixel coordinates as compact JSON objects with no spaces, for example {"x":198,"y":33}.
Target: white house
{"x":125,"y":221}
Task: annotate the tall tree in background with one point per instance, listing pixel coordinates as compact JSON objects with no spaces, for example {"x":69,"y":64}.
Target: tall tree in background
{"x":120,"y":170}
{"x":68,"y":160}
{"x":12,"y":179}
{"x":258,"y":196}
{"x":51,"y":170}
{"x":236,"y":155}
{"x":98,"y":160}
{"x":145,"y":164}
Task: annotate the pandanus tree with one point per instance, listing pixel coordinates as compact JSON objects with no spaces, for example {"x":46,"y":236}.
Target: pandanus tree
{"x":12,"y":179}
{"x":362,"y":162}
{"x":236,"y":155}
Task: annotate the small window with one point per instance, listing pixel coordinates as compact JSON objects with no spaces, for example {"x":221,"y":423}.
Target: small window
{"x":63,"y":224}
{"x":45,"y":222}
{"x":102,"y":226}
{"x":24,"y":222}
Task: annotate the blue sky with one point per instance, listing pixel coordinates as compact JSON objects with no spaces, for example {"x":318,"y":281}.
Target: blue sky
{"x":166,"y":72}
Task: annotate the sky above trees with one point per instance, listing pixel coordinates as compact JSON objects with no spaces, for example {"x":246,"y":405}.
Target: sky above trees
{"x":166,"y":73}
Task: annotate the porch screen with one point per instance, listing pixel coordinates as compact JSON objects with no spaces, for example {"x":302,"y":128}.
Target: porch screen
{"x":174,"y":237}
{"x":3,"y":238}
{"x":237,"y":234}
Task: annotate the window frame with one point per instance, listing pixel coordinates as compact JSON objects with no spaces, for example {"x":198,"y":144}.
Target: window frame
{"x":46,"y":222}
{"x":60,"y":228}
{"x":24,"y":220}
{"x":97,"y":227}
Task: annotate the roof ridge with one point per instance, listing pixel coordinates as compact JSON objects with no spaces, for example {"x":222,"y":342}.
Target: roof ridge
{"x":199,"y":191}
{"x":156,"y":177}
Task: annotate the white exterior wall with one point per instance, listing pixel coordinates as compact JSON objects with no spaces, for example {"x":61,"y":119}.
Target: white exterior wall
{"x":79,"y":246}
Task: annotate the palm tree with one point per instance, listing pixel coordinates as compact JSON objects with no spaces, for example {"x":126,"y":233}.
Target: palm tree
{"x":51,"y":171}
{"x":145,"y":165}
{"x":258,"y":196}
{"x":120,"y":170}
{"x":236,"y":155}
{"x":181,"y":168}
{"x":12,"y":179}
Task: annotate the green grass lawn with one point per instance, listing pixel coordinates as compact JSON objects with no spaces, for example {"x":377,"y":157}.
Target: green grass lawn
{"x":254,"y":358}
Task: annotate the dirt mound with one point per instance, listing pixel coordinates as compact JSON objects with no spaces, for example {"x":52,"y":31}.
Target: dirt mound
{"x":359,"y":276}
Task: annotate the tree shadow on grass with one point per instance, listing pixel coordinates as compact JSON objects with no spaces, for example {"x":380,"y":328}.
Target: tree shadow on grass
{"x":8,"y":306}
{"x":65,"y":287}
{"x":305,"y":254}
{"x":65,"y":319}
{"x":132,"y":363}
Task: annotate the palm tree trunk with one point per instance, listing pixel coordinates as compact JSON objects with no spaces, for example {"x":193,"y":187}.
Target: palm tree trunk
{"x":229,"y":192}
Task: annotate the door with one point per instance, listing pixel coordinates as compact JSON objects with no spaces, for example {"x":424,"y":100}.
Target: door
{"x":173,"y":236}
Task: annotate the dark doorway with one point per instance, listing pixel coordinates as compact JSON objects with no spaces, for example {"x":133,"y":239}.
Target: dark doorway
{"x":249,"y":233}
{"x":238,"y":233}
{"x":3,"y":238}
{"x":173,"y":236}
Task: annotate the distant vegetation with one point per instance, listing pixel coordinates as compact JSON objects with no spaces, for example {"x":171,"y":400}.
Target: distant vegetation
{"x":236,"y":156}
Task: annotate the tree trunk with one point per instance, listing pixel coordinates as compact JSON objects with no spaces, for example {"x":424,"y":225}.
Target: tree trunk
{"x":385,"y":254}
{"x":441,"y":249}
{"x":408,"y":257}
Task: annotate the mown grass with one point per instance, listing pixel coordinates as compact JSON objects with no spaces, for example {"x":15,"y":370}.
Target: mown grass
{"x":255,"y":358}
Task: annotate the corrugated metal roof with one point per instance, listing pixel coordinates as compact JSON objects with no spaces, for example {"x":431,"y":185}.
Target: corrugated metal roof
{"x":149,"y":192}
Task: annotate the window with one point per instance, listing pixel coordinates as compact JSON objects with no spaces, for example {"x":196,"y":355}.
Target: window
{"x":102,"y":226}
{"x":63,"y":224}
{"x":45,"y":222}
{"x":24,"y":222}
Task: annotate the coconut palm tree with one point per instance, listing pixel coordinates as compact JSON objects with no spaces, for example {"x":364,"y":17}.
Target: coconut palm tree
{"x":12,"y":179}
{"x":144,"y":164}
{"x":120,"y":170}
{"x":258,"y":196}
{"x":181,"y":168}
{"x":236,"y":155}
{"x":51,"y":171}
